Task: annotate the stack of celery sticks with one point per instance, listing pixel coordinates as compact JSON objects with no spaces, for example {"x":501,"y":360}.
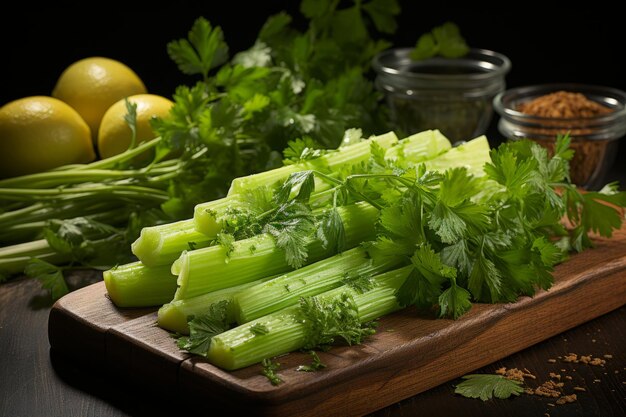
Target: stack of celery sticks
{"x":281,"y":263}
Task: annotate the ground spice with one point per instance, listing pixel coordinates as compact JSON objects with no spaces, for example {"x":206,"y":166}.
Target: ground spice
{"x":555,"y":386}
{"x":563,"y":104}
{"x":569,"y":112}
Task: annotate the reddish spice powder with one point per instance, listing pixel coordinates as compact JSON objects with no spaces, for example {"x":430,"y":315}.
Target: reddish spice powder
{"x":563,"y":104}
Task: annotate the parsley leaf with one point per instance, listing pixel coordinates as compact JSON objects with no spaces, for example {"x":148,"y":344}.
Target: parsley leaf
{"x":485,"y":387}
{"x":444,"y":40}
{"x":315,"y":365}
{"x":205,"y":49}
{"x":202,"y":329}
{"x":50,"y":276}
{"x":269,"y":371}
{"x":454,"y":301}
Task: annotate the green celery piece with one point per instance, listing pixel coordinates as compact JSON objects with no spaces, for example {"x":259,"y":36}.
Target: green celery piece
{"x":173,"y":315}
{"x":473,"y":154}
{"x":208,"y":219}
{"x":136,"y":285}
{"x":415,"y":148}
{"x":419,"y":147}
{"x":209,"y":269}
{"x":312,"y":279}
{"x":348,"y":155}
{"x":163,"y":244}
{"x":240,"y":347}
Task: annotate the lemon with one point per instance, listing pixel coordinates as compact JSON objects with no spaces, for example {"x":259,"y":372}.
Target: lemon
{"x":91,"y":85}
{"x":114,"y":135}
{"x":39,"y":133}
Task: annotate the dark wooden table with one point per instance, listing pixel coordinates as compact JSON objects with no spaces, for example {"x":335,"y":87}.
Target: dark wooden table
{"x":37,"y":381}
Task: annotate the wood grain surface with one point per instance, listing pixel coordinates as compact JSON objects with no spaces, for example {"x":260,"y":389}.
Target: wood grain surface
{"x":408,"y":355}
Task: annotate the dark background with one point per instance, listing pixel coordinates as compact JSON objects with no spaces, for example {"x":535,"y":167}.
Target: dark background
{"x":583,"y":45}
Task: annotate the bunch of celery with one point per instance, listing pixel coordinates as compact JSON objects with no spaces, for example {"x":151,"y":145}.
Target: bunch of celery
{"x":303,"y":255}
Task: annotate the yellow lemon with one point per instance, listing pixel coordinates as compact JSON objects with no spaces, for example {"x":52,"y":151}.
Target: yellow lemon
{"x":39,"y":133}
{"x":91,"y":85}
{"x":114,"y":135}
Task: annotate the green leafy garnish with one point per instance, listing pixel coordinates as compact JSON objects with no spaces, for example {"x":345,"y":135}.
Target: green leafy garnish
{"x":205,"y":49}
{"x":325,"y":320}
{"x":50,"y":276}
{"x":202,"y":329}
{"x":316,"y":364}
{"x":269,"y":371}
{"x":485,"y":387}
{"x":444,"y":40}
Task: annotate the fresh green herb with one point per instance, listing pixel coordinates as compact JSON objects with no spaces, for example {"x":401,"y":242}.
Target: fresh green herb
{"x":316,"y":364}
{"x":326,"y":320}
{"x":444,"y":40}
{"x":203,"y":328}
{"x":204,"y":50}
{"x":50,"y":276}
{"x":259,"y":329}
{"x":485,"y":387}
{"x":269,"y":371}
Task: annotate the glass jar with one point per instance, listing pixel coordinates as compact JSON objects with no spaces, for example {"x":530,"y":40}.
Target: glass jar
{"x":594,"y":139}
{"x":454,"y":95}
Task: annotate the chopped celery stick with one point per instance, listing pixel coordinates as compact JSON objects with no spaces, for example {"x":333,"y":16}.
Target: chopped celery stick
{"x":419,"y":147}
{"x":209,"y":269}
{"x":208,"y":218}
{"x":162,"y":244}
{"x":285,"y":290}
{"x":348,"y":155}
{"x":174,"y":315}
{"x":136,"y":285}
{"x":289,"y":330}
{"x":473,"y":154}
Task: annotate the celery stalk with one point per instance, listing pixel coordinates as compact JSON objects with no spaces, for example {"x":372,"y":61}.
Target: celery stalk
{"x":174,"y":315}
{"x":324,"y":275}
{"x":207,"y":218}
{"x":13,"y":258}
{"x":348,"y":155}
{"x":287,"y":330}
{"x":419,"y":147}
{"x":163,"y":244}
{"x":136,"y":285}
{"x":209,"y":269}
{"x":473,"y":155}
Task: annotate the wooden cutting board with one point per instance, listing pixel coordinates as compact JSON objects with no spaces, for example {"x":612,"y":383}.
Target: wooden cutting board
{"x":408,"y":355}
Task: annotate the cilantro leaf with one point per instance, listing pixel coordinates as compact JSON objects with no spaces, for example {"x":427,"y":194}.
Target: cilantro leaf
{"x":327,"y":319}
{"x":303,"y":181}
{"x":292,"y":227}
{"x":302,"y":149}
{"x":202,"y":329}
{"x":203,"y":50}
{"x":331,"y":231}
{"x":454,"y":301}
{"x":315,"y":365}
{"x":382,"y":13}
{"x":444,"y":40}
{"x":50,"y":276}
{"x":269,"y":371}
{"x":485,"y":387}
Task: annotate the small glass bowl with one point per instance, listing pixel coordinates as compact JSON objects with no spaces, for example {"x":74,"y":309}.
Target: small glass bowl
{"x":594,"y":139}
{"x":453,"y":95}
